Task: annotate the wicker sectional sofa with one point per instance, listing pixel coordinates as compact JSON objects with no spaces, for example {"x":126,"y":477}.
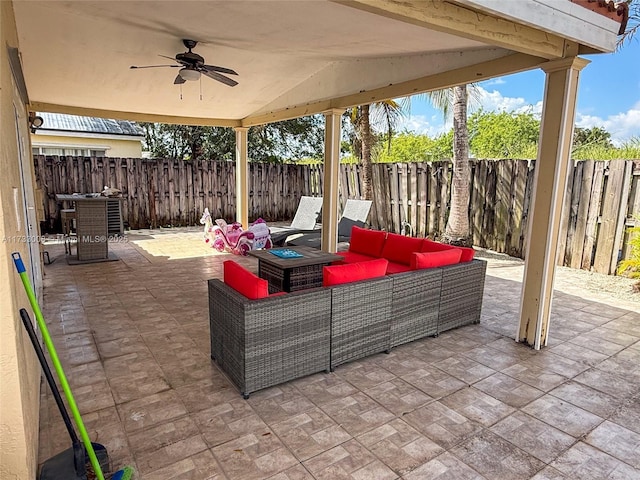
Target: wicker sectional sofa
{"x":261,"y":340}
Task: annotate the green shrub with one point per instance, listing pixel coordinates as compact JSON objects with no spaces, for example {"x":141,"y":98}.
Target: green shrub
{"x":630,"y":267}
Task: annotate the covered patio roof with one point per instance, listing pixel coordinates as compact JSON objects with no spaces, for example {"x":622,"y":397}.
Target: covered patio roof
{"x":293,"y":58}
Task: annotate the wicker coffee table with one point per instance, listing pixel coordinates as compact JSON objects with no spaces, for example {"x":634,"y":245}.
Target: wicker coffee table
{"x":291,"y":274}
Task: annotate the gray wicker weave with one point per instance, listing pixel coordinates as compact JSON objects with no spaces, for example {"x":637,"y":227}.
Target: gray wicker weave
{"x":416,"y":300}
{"x":461,"y":295}
{"x":260,"y":343}
{"x":360,"y":319}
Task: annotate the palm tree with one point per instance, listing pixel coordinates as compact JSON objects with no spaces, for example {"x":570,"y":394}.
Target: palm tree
{"x":457,"y":231}
{"x":388,"y":113}
{"x":633,"y":23}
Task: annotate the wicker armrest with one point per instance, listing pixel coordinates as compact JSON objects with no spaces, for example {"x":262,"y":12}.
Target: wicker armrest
{"x":260,"y":343}
{"x":415,"y":305}
{"x":461,"y":297}
{"x":360,"y":319}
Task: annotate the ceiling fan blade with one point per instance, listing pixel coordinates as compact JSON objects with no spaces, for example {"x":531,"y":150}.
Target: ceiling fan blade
{"x":153,"y":66}
{"x":179,"y":80}
{"x":213,"y":68}
{"x":164,"y":56}
{"x":220,"y":78}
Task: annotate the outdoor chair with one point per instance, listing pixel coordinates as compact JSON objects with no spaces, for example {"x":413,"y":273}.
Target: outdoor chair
{"x":355,"y":213}
{"x":304,"y":220}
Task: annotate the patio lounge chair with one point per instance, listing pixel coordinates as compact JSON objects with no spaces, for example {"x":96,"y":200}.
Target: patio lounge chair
{"x":355,"y":213}
{"x":304,"y":220}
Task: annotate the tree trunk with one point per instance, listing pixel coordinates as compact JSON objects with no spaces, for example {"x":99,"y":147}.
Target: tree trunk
{"x":365,"y":159}
{"x":457,"y":231}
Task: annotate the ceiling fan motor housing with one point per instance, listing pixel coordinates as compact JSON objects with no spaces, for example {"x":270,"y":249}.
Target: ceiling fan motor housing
{"x":189,"y":58}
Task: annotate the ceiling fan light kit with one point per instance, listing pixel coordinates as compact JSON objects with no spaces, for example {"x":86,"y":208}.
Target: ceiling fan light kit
{"x":189,"y":74}
{"x":193,"y":66}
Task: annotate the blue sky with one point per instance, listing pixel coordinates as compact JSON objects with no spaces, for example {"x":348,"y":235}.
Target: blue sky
{"x":608,"y":96}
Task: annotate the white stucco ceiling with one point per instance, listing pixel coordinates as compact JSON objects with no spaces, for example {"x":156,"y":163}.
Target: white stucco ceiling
{"x":287,"y":53}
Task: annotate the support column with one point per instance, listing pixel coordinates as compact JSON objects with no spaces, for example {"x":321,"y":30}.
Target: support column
{"x":332,"y":137}
{"x":242,"y":176}
{"x":550,"y":183}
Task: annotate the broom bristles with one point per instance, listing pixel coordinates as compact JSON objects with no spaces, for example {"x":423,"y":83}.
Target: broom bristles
{"x":125,"y":473}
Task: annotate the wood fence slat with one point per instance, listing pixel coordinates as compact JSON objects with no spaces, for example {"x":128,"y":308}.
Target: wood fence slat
{"x":421,"y":212}
{"x":616,"y":254}
{"x":633,"y":209}
{"x":527,"y":204}
{"x":386,"y":183}
{"x":378,"y":220}
{"x":477,"y":203}
{"x":504,"y":172}
{"x":577,"y":242}
{"x":489,"y":202}
{"x":610,"y":206}
{"x":403,"y":192}
{"x":565,"y":216}
{"x":595,"y":198}
{"x":395,"y":199}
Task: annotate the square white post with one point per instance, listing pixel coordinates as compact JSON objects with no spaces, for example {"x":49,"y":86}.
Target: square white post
{"x":550,"y":183}
{"x":242,"y":176}
{"x":331,"y":183}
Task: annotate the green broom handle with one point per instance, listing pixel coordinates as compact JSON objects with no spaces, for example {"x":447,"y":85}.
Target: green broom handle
{"x":58,"y":367}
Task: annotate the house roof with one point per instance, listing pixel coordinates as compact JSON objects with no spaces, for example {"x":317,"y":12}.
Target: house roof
{"x":75,"y":123}
{"x":293,"y":57}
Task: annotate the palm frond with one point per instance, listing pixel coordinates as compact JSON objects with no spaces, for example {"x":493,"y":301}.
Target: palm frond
{"x":633,"y":23}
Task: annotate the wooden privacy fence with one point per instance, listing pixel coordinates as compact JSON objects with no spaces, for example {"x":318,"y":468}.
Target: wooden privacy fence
{"x":412,"y":198}
{"x":162,"y":192}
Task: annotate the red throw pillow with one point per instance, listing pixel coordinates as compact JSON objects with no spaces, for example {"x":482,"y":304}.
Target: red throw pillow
{"x":435,"y":259}
{"x":398,"y":248}
{"x":431,"y":246}
{"x":244,"y":282}
{"x":352,"y":272}
{"x":366,"y":242}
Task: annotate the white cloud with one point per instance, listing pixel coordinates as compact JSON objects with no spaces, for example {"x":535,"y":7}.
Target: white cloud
{"x":433,"y":126}
{"x":622,"y":126}
{"x":495,"y":81}
{"x":494,"y":101}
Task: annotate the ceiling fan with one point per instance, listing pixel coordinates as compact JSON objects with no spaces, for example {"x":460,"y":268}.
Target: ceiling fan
{"x":192,"y":65}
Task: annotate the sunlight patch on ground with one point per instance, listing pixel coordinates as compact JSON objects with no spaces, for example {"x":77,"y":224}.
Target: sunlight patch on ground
{"x":177,"y":245}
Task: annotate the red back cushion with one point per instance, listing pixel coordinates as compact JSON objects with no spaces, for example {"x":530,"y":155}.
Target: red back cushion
{"x":398,"y":248}
{"x":244,"y":282}
{"x":467,"y":254}
{"x":435,"y":259}
{"x":366,"y":242}
{"x":431,"y":246}
{"x":352,"y":272}
{"x":353,"y":257}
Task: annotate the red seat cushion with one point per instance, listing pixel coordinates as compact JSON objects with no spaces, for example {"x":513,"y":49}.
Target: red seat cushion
{"x":353,"y":257}
{"x":398,"y":248}
{"x":394,"y":267}
{"x":244,"y":282}
{"x":435,"y":259}
{"x":431,"y":246}
{"x":366,"y":242}
{"x":352,"y":272}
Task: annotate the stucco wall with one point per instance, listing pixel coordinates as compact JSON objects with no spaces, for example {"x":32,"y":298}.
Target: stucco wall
{"x":19,"y":370}
{"x":118,"y":148}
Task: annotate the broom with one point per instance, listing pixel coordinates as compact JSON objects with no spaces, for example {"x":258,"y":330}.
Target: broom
{"x":125,"y":473}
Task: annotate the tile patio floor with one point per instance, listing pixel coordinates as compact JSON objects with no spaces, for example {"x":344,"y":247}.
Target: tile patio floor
{"x":133,"y":336}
